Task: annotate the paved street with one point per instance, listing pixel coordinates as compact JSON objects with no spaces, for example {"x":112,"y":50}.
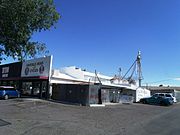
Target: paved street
{"x":38,"y":117}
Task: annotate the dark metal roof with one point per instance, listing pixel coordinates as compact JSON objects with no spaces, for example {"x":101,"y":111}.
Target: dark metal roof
{"x":164,"y":88}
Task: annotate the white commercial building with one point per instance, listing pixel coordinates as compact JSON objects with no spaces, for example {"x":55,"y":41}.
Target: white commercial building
{"x":113,"y":89}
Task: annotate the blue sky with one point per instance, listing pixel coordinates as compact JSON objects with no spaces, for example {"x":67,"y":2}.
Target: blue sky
{"x":107,"y":34}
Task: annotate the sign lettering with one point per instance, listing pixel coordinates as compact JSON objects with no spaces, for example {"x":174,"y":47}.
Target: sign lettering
{"x":5,"y":71}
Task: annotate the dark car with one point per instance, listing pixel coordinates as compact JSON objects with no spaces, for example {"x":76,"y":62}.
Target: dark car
{"x":157,"y":99}
{"x":7,"y":92}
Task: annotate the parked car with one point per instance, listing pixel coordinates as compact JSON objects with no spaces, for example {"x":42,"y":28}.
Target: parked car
{"x":158,"y":99}
{"x":168,"y":95}
{"x":7,"y":92}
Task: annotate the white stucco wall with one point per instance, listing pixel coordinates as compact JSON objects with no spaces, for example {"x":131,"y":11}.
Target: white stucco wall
{"x":141,"y":93}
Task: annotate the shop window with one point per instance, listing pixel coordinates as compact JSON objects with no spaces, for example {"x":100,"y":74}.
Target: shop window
{"x":11,"y":83}
{"x":27,"y":88}
{"x":4,"y":83}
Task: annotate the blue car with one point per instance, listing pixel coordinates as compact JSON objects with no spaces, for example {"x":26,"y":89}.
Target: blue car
{"x":7,"y":92}
{"x":157,"y":99}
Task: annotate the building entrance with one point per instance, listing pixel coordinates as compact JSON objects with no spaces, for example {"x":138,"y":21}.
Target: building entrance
{"x":34,"y":88}
{"x":26,"y":88}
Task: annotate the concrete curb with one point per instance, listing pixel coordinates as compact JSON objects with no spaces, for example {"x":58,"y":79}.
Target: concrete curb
{"x":97,"y":105}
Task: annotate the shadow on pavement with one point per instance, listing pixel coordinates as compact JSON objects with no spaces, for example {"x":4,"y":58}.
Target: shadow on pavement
{"x":4,"y":123}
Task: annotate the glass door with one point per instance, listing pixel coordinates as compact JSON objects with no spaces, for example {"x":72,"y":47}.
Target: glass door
{"x":26,"y":88}
{"x":36,"y":88}
{"x":44,"y":89}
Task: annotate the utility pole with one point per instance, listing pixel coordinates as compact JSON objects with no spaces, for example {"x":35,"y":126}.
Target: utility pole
{"x":139,"y":70}
{"x":120,"y":73}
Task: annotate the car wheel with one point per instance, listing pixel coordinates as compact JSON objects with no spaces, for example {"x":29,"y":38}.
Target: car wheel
{"x":162,"y":103}
{"x":6,"y":97}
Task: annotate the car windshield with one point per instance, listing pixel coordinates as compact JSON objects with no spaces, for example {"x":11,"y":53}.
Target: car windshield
{"x":155,"y":95}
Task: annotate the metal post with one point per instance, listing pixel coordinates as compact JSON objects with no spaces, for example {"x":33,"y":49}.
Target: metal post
{"x":139,"y":68}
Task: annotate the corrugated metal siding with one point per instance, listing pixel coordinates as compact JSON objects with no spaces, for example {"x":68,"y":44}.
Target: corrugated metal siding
{"x":71,"y":93}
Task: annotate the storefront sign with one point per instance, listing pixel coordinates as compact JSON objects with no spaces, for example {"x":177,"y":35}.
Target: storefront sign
{"x":36,"y":67}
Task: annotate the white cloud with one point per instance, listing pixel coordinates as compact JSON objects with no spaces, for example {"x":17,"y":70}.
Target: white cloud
{"x":176,"y":79}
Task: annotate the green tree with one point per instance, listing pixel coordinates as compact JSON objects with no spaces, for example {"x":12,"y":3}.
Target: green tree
{"x":19,"y":19}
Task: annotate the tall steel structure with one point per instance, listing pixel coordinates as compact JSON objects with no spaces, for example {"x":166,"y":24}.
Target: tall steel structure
{"x":136,"y":66}
{"x":139,"y":69}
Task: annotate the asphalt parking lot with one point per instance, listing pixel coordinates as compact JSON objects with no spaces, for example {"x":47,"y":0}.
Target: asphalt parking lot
{"x":39,"y":117}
